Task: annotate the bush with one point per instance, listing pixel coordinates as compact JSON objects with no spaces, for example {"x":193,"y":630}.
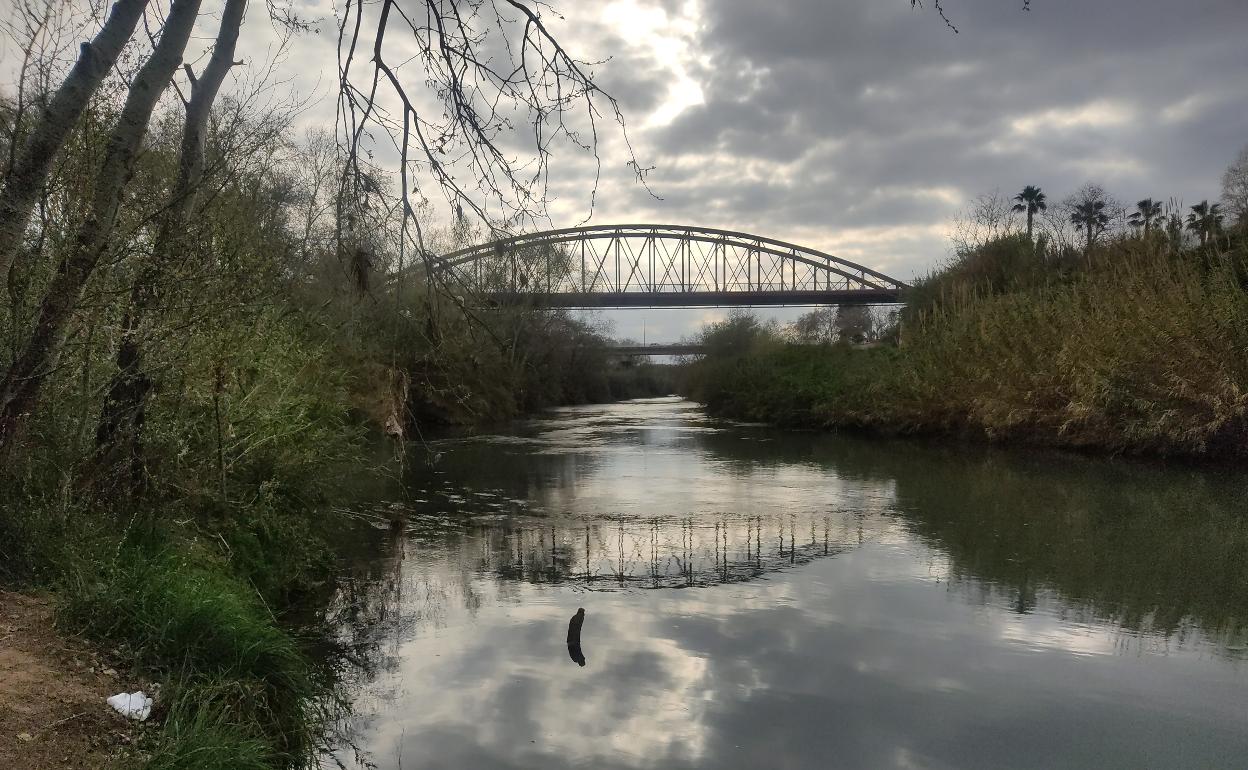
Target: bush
{"x":1142,"y":351}
{"x":179,"y":615}
{"x":278,"y":551}
{"x":202,"y":733}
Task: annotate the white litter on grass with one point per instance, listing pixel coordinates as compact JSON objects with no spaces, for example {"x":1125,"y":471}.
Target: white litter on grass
{"x":133,"y":705}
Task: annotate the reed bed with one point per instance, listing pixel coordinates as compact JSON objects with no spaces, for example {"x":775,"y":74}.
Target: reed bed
{"x":1139,"y":351}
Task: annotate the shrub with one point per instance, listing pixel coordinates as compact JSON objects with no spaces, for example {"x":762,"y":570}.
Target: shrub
{"x":179,"y":615}
{"x":1142,"y":351}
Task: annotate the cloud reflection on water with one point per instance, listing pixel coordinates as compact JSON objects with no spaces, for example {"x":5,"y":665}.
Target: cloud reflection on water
{"x":848,"y":615}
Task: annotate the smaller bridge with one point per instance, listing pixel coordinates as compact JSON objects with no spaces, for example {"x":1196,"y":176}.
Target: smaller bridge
{"x":697,"y":349}
{"x":659,"y":349}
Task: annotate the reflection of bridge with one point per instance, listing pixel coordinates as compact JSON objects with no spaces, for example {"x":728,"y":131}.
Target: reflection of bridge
{"x":650,"y":554}
{"x":664,"y":554}
{"x":642,"y":265}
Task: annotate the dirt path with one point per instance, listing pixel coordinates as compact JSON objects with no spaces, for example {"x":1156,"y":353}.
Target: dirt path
{"x":52,"y":691}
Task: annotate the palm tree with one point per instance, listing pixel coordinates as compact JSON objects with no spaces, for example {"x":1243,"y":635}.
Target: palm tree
{"x":1089,"y":214}
{"x":1145,"y":212}
{"x":1205,"y":220}
{"x":1031,"y":200}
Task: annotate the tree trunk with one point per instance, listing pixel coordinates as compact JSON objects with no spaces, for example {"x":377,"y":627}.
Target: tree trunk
{"x":19,"y":390}
{"x":1030,"y":214}
{"x":119,"y":433}
{"x":30,"y":170}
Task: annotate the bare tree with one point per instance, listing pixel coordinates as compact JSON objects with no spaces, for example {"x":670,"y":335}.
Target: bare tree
{"x":119,"y":433}
{"x":486,"y":67}
{"x":31,"y":166}
{"x":1235,"y":189}
{"x":19,"y":390}
{"x":989,"y":217}
{"x":817,"y":326}
{"x":315,"y":173}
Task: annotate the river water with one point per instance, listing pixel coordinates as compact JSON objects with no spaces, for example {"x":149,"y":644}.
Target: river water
{"x":756,"y":598}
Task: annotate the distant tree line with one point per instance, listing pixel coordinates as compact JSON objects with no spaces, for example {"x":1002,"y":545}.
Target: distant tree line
{"x":1090,"y":216}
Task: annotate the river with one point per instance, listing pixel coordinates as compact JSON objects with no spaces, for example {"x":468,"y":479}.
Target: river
{"x":756,"y":598}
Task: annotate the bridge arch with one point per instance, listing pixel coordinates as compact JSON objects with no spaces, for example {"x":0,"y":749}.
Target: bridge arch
{"x":651,"y":265}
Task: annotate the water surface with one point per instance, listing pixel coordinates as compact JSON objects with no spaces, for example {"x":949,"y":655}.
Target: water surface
{"x":765,"y":599}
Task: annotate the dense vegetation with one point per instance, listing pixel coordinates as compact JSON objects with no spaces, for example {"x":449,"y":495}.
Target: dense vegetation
{"x":207,"y":312}
{"x":191,"y":358}
{"x":1134,"y":343}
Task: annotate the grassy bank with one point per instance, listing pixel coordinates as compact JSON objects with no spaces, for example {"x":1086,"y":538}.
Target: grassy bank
{"x":176,"y":423}
{"x":203,"y":578}
{"x":198,"y":592}
{"x":200,"y":576}
{"x":244,"y":693}
{"x":1138,"y":350}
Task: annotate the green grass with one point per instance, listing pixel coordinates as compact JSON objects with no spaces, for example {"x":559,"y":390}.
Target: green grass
{"x":166,"y":607}
{"x":238,"y":685}
{"x":203,"y":734}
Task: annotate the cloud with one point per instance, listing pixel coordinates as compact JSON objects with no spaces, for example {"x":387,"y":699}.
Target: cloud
{"x":834,"y":118}
{"x":860,"y":127}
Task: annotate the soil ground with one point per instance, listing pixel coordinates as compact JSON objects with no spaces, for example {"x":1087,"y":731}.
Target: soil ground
{"x":52,"y":691}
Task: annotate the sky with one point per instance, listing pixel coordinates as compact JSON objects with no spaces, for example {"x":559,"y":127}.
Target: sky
{"x":861,"y":127}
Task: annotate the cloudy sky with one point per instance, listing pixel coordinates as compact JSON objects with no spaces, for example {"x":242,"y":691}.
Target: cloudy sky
{"x":860,"y":127}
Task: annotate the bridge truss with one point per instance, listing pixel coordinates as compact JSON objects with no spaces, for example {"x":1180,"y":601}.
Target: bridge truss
{"x":644,"y":265}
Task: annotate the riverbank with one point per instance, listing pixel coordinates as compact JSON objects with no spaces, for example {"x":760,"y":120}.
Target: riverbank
{"x":1141,"y":351}
{"x":206,"y":591}
{"x":202,"y":617}
{"x":52,"y":692}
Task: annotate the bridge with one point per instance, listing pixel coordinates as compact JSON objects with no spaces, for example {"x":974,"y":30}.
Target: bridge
{"x":648,"y":265}
{"x":694,"y":348}
{"x":659,"y":349}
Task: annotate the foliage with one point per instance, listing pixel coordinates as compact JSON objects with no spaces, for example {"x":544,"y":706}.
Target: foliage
{"x":1146,"y":212}
{"x":177,"y":612}
{"x":816,"y":326}
{"x":1138,"y":352}
{"x":200,"y":735}
{"x":642,"y":380}
{"x":204,"y":313}
{"x":281,"y":553}
{"x":1090,"y":210}
{"x":1005,"y":264}
{"x":1030,"y":201}
{"x":266,"y":356}
{"x":1205,"y":220}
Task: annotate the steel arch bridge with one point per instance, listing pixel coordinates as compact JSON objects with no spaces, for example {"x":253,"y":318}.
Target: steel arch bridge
{"x":646,"y":265}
